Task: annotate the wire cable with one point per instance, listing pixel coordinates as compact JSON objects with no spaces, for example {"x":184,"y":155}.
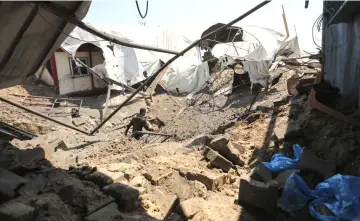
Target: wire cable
{"x":138,"y":8}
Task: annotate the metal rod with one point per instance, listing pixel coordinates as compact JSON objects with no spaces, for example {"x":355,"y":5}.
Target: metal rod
{"x":41,"y":115}
{"x":60,"y":12}
{"x":108,"y":80}
{"x":173,"y":59}
{"x":152,"y":133}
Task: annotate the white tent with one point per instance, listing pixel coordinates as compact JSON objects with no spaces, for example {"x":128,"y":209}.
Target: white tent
{"x":127,"y":65}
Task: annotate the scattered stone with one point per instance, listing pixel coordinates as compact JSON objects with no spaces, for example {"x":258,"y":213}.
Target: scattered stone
{"x":108,"y":213}
{"x":217,"y":160}
{"x":239,"y":147}
{"x":309,"y":162}
{"x":50,"y":207}
{"x":165,"y":202}
{"x":203,"y":139}
{"x":211,"y":180}
{"x":264,"y":107}
{"x":9,"y":182}
{"x":99,"y":179}
{"x":125,"y":196}
{"x":288,"y":131}
{"x":84,"y":198}
{"x":34,"y":186}
{"x":131,"y":174}
{"x":138,"y":181}
{"x":200,"y":189}
{"x":190,"y":207}
{"x":282,"y":177}
{"x":78,"y":121}
{"x":253,"y":117}
{"x":259,"y":195}
{"x":111,"y":213}
{"x":222,"y":145}
{"x":156,"y":176}
{"x":15,"y":211}
{"x":261,"y":173}
{"x":28,"y":159}
{"x":115,"y":176}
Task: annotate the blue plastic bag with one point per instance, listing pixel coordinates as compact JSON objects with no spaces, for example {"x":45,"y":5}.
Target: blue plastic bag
{"x":339,"y":194}
{"x":280,"y":162}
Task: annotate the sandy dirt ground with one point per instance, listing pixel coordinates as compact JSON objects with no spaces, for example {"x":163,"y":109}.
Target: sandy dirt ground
{"x":112,"y":153}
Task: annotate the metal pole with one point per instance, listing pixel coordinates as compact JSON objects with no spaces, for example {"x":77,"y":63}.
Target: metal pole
{"x":61,"y":12}
{"x":173,"y":59}
{"x":41,"y":115}
{"x":285,"y":23}
{"x":152,"y":133}
{"x":108,"y":80}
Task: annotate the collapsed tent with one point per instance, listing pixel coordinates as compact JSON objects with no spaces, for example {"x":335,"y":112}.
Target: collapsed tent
{"x":130,"y":66}
{"x":257,"y":47}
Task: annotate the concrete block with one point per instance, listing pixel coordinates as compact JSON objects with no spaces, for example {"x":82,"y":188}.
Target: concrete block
{"x":9,"y":182}
{"x":190,"y":207}
{"x":222,"y":145}
{"x":15,"y":211}
{"x":165,"y":202}
{"x":34,"y":186}
{"x":261,"y":173}
{"x":217,"y":160}
{"x":212,"y":181}
{"x":282,"y":177}
{"x":85,"y":198}
{"x":258,"y":194}
{"x":99,"y":179}
{"x":125,"y":196}
{"x":309,"y":162}
{"x":156,"y":176}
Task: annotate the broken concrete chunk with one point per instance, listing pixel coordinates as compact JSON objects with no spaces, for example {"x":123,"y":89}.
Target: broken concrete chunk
{"x":288,"y":131}
{"x":111,"y":213}
{"x":222,"y":145}
{"x":212,"y":181}
{"x":125,"y":196}
{"x":15,"y":211}
{"x":165,"y":202}
{"x":138,"y":181}
{"x":9,"y":182}
{"x":99,"y":179}
{"x":217,"y":160}
{"x":220,"y":141}
{"x":259,"y":195}
{"x":311,"y":163}
{"x":34,"y":186}
{"x":190,"y":207}
{"x":78,"y":121}
{"x":156,"y":176}
{"x":50,"y":207}
{"x":203,"y":139}
{"x":261,"y":173}
{"x":84,"y":198}
{"x":108,"y":213}
{"x":282,"y":177}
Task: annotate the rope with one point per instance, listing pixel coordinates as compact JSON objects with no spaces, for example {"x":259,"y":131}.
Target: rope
{"x":138,"y":8}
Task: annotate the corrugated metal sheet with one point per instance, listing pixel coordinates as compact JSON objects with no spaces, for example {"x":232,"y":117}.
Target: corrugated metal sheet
{"x":342,"y":56}
{"x":29,"y":35}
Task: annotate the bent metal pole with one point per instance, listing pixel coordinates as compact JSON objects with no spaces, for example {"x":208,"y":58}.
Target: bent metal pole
{"x":61,"y":13}
{"x":41,"y":115}
{"x":173,"y":59}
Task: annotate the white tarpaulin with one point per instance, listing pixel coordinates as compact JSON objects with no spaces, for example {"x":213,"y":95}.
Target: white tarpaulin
{"x":127,"y":65}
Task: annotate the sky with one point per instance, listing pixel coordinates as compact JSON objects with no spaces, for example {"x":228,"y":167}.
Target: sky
{"x":192,"y":17}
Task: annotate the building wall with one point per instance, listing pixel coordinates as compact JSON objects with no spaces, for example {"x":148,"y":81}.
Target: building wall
{"x":45,"y":76}
{"x":68,"y":83}
{"x":342,"y":56}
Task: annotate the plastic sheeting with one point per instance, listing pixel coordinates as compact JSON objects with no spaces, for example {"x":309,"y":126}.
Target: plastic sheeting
{"x":339,"y":194}
{"x":127,"y":65}
{"x":280,"y":162}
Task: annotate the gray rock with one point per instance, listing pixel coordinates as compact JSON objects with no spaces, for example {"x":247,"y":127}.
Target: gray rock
{"x":15,"y":211}
{"x":217,"y":160}
{"x":34,"y":186}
